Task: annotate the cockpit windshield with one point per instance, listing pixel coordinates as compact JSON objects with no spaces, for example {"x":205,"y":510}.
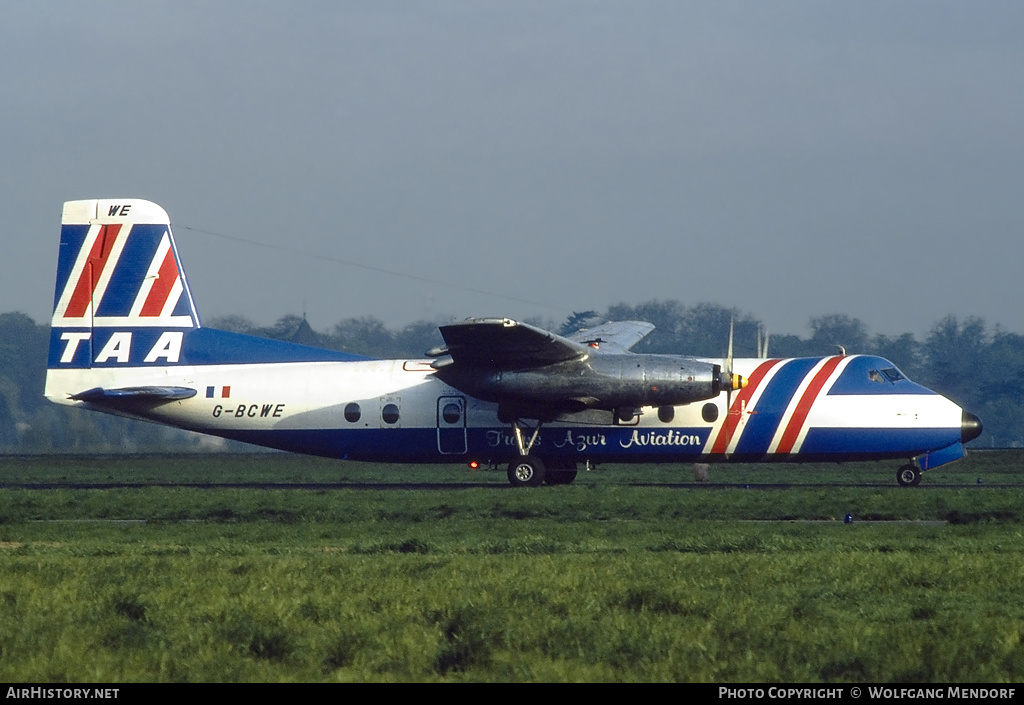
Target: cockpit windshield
{"x":868,"y":374}
{"x":886,"y":374}
{"x":892,"y":374}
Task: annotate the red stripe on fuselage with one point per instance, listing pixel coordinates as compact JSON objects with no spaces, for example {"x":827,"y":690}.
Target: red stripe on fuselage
{"x":161,"y":289}
{"x":92,"y":272}
{"x":732,"y":419}
{"x":803,"y":407}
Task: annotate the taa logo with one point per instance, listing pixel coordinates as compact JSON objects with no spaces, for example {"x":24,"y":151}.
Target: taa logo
{"x":119,"y":347}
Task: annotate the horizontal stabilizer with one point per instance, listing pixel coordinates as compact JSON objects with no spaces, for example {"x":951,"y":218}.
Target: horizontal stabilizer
{"x":615,"y":336}
{"x":134,"y":395}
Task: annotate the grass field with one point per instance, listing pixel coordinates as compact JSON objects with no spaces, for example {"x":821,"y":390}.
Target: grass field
{"x":627,"y":575}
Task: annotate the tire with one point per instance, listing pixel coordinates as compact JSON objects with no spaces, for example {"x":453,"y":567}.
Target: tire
{"x":559,"y":477}
{"x":908,"y":476}
{"x":527,"y":471}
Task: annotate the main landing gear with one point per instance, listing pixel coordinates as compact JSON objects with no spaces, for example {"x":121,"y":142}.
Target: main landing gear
{"x":528,"y":470}
{"x":559,"y":476}
{"x":909,"y":475}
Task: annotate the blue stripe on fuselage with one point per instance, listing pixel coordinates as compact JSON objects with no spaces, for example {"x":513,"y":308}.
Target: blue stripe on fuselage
{"x":208,"y":346}
{"x":897,"y":441}
{"x":419,"y":445}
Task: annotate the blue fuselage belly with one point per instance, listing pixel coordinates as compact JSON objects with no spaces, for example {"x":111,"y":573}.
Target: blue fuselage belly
{"x":610,"y":444}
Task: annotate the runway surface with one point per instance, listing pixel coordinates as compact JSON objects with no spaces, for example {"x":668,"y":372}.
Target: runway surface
{"x":323,"y":486}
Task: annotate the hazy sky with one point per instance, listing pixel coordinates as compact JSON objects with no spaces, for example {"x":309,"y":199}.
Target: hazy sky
{"x":791,"y":159}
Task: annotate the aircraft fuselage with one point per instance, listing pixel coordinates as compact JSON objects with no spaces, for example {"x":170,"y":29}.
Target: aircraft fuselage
{"x":800,"y":409}
{"x":126,"y":338}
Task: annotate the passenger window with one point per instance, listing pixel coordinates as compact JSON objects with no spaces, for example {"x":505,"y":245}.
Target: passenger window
{"x":352,"y":412}
{"x":389,"y":413}
{"x":666,"y":413}
{"x":451,"y":413}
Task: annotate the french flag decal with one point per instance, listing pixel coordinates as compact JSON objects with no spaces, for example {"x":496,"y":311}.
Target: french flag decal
{"x":218,"y":392}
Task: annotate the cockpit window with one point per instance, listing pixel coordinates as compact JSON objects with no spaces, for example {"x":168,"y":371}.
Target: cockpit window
{"x":888,"y":374}
{"x":869,"y":374}
{"x":892,"y":374}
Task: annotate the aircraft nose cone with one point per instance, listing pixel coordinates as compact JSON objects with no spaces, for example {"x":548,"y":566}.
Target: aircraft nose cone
{"x":970,"y":427}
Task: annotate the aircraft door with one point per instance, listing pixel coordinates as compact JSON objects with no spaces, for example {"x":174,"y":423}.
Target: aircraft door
{"x":451,"y":425}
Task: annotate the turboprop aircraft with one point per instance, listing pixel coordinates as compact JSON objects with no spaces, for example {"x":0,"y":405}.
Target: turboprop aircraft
{"x":126,"y":339}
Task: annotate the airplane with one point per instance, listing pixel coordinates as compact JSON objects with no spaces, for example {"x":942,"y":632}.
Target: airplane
{"x":126,"y":339}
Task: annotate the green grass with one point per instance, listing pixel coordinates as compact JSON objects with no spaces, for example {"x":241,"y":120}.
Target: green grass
{"x":604,"y":580}
{"x":992,"y":467}
{"x":567,"y":505}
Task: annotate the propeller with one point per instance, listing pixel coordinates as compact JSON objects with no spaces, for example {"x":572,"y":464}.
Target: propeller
{"x":762,"y":342}
{"x":731,"y":381}
{"x":728,"y":369}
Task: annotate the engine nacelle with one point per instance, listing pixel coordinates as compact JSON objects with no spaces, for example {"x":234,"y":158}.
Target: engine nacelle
{"x":599,"y":382}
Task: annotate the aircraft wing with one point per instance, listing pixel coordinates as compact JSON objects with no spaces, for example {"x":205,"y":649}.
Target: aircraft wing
{"x":532,"y":373}
{"x":505,"y":344}
{"x":616,"y":336}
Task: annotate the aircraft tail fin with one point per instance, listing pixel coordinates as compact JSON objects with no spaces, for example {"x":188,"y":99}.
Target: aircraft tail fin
{"x":118,"y":275}
{"x":122,"y":302}
{"x":118,"y":267}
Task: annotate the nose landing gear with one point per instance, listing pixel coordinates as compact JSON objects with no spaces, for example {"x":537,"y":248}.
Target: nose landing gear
{"x":909,"y":475}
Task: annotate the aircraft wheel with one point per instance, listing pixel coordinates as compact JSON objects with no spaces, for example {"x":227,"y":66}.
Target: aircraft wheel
{"x":527,"y":471}
{"x":908,"y":476}
{"x":559,"y":477}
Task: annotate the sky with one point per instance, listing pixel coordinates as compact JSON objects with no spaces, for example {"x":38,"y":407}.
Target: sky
{"x":442,"y":160}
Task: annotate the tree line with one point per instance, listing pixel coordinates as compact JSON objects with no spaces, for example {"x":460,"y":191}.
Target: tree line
{"x":977,"y":366}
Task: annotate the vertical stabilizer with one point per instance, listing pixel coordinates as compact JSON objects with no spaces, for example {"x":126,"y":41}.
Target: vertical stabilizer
{"x":121,"y":292}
